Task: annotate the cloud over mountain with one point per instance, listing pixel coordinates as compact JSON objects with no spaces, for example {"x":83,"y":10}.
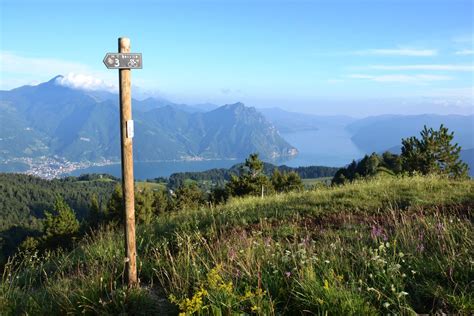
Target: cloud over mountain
{"x":85,"y":82}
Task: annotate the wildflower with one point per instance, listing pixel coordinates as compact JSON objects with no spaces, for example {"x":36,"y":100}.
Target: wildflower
{"x":326,"y":284}
{"x":440,"y":227}
{"x":232,"y":254}
{"x":248,"y":294}
{"x":386,"y":304}
{"x":402,"y":293}
{"x":287,"y":274}
{"x":376,"y":232}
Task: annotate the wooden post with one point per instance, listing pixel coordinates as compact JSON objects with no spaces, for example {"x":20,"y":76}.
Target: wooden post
{"x":126,"y":136}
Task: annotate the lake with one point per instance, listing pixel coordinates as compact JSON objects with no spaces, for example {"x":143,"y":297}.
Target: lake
{"x":150,"y":170}
{"x":328,"y":146}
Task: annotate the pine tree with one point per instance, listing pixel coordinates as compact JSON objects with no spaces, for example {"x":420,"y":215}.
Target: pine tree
{"x":251,"y":179}
{"x":144,"y":206}
{"x":433,"y":153}
{"x":60,"y":225}
{"x":94,"y":212}
{"x":161,"y":202}
{"x":189,"y":196}
{"x":114,"y":210}
{"x":286,"y":181}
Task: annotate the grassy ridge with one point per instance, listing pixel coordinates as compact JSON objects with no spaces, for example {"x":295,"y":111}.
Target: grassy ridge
{"x":386,"y":245}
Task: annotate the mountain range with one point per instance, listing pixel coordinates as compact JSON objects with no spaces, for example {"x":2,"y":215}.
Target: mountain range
{"x":53,"y":120}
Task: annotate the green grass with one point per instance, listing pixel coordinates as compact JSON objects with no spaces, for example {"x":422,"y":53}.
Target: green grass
{"x":153,"y":186}
{"x":393,"y":245}
{"x":311,"y":182}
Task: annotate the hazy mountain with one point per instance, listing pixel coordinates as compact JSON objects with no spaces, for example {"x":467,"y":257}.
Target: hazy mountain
{"x":379,"y":133}
{"x":468,"y":157}
{"x":50,"y":119}
{"x":288,"y":122}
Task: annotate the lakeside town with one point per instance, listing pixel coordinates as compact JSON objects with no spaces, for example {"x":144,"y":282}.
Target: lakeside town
{"x":53,"y":167}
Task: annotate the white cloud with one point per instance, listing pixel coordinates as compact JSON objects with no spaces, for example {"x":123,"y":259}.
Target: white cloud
{"x":399,"y":52}
{"x":464,"y":52}
{"x":21,"y":70}
{"x":447,"y":67}
{"x":401,"y":78}
{"x":85,"y":82}
{"x":13,"y":63}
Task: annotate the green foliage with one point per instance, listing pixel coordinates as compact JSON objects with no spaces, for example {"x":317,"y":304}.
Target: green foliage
{"x":61,"y":222}
{"x":24,"y":199}
{"x":369,"y":166}
{"x":219,"y":195}
{"x":161,"y":202}
{"x":114,"y":210}
{"x":218,"y":177}
{"x":286,"y":181}
{"x":188,"y":196}
{"x":144,"y":206}
{"x":94,"y":217}
{"x":60,"y":225}
{"x":433,"y":153}
{"x":251,"y":179}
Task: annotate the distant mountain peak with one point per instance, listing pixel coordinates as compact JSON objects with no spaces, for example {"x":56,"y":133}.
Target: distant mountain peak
{"x":238,"y":105}
{"x":54,"y":80}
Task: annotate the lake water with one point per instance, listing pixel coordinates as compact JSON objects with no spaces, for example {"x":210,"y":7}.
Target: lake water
{"x":329,"y":146}
{"x":150,"y":170}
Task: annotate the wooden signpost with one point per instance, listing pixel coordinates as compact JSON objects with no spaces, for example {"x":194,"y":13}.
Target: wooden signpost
{"x":125,"y":61}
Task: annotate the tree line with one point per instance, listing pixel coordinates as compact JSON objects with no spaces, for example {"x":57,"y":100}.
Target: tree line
{"x":219,"y":177}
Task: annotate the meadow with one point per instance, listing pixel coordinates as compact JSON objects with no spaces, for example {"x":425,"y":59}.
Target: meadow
{"x":394,"y":245}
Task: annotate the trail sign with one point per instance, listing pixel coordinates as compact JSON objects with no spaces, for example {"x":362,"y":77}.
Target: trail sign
{"x":123,"y":60}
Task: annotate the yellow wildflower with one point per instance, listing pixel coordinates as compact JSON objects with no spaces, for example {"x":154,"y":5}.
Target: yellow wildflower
{"x":326,"y":284}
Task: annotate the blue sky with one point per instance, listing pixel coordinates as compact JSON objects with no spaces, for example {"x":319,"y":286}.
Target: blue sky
{"x":291,"y":54}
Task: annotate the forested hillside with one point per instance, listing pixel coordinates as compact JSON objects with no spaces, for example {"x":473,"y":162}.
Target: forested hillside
{"x":24,"y":200}
{"x":220,"y":176}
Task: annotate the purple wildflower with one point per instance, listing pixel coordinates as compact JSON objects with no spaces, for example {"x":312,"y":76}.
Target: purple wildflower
{"x":376,"y":231}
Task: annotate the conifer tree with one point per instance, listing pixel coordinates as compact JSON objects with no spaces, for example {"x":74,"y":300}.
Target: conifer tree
{"x":144,"y":206}
{"x":60,"y":225}
{"x":114,"y":210}
{"x":433,"y":153}
{"x":251,"y":179}
{"x":94,"y":212}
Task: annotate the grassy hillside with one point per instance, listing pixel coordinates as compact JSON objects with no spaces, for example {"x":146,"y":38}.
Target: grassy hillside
{"x":383,"y":246}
